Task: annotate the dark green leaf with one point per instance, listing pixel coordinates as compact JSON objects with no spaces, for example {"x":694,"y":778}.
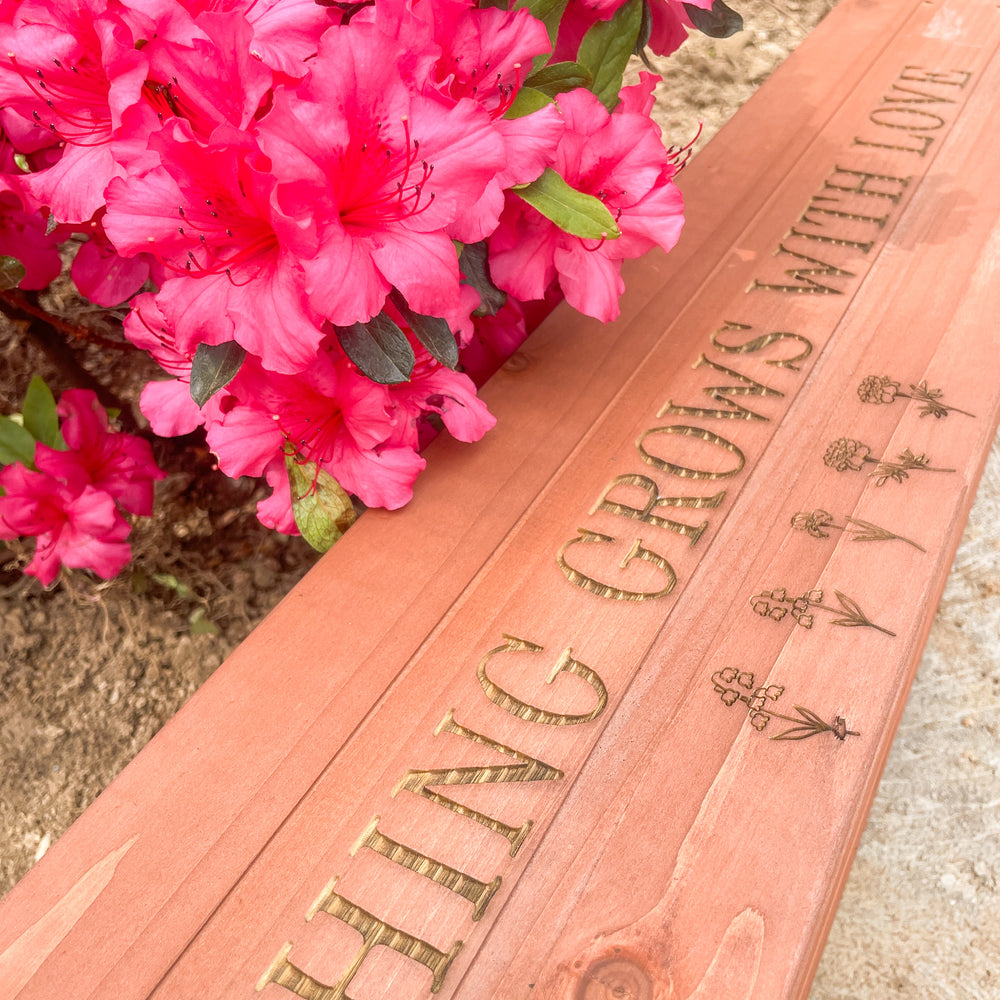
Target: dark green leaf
{"x":41,"y":420}
{"x":475,"y":266}
{"x":526,"y":102}
{"x":550,"y":13}
{"x":213,"y":368}
{"x":16,"y":444}
{"x":379,"y":348}
{"x":572,"y":211}
{"x":432,"y":331}
{"x":719,"y":22}
{"x":557,"y":78}
{"x":12,"y":273}
{"x":322,"y":508}
{"x":606,"y":49}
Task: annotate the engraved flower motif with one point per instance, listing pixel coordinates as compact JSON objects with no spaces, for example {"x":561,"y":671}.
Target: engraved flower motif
{"x":813,"y":522}
{"x":776,"y":614}
{"x":758,"y":720}
{"x":761,"y":605}
{"x":878,"y":389}
{"x":846,"y":453}
{"x":806,"y":621}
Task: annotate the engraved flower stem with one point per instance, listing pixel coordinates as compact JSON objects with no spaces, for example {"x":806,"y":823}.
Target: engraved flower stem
{"x":771,"y":604}
{"x":855,"y":616}
{"x":734,"y":685}
{"x":848,"y":454}
{"x":881,"y":389}
{"x":816,"y":522}
{"x":932,"y":404}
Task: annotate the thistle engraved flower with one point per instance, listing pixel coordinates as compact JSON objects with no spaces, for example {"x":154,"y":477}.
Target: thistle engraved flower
{"x":815,"y":523}
{"x":882,"y":389}
{"x":766,"y":604}
{"x":760,"y":706}
{"x":877,"y":389}
{"x":846,"y":453}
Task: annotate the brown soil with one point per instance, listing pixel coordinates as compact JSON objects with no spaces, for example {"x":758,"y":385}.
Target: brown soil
{"x":90,"y":670}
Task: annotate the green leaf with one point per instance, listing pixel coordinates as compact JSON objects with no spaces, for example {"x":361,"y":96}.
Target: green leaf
{"x":550,"y":13}
{"x":213,"y":368}
{"x":322,"y":508}
{"x":12,"y":273}
{"x":572,"y":211}
{"x":379,"y":348}
{"x":475,"y":267}
{"x":41,"y":420}
{"x":719,"y":22}
{"x":199,"y":624}
{"x":526,"y":102}
{"x":181,"y":589}
{"x":606,"y":49}
{"x":16,"y":444}
{"x":432,"y":331}
{"x":557,"y":78}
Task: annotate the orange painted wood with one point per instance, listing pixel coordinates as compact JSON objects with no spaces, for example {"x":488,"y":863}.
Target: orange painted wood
{"x":472,"y":723}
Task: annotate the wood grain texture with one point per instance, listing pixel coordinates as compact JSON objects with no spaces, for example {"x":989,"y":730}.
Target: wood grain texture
{"x":514,"y":740}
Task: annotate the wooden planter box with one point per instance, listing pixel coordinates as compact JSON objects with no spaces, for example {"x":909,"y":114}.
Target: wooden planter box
{"x":600,"y":714}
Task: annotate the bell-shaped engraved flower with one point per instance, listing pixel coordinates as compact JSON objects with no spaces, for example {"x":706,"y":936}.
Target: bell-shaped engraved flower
{"x":813,"y":522}
{"x":806,"y":621}
{"x":878,"y":389}
{"x":758,"y":720}
{"x":730,"y":697}
{"x":846,"y":453}
{"x":745,"y":680}
{"x":761,"y":605}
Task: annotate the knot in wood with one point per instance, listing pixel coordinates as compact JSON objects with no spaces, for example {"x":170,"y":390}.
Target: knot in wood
{"x":616,"y":978}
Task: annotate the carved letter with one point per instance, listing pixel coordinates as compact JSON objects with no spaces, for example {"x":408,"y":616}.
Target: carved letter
{"x":811,"y":286}
{"x":919,"y":145}
{"x":861,"y":185}
{"x":527,"y":769}
{"x":638,"y":551}
{"x":721,"y":394}
{"x":915,"y":74}
{"x":903,"y":118}
{"x":476,"y":892}
{"x":373,"y":932}
{"x":683,"y":471}
{"x":655,"y":500}
{"x":531,"y":713}
{"x":763,"y":340}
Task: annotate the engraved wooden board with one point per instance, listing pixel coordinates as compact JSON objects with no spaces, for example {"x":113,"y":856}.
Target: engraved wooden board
{"x":517,"y":740}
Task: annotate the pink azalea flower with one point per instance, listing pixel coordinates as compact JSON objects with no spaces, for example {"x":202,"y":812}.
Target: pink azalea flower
{"x":330,"y":415}
{"x":286,"y":33}
{"x":82,"y":529}
{"x":101,"y":274}
{"x":166,"y":404}
{"x":23,"y":235}
{"x":388,"y":177}
{"x":120,"y":465}
{"x":618,"y":158}
{"x":208,"y":214}
{"x":65,"y":68}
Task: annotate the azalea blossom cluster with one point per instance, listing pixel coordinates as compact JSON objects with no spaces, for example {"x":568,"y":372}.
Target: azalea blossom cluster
{"x":336,"y":210}
{"x":70,"y":494}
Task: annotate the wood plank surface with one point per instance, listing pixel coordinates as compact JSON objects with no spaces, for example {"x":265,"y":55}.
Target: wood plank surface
{"x":506,"y":742}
